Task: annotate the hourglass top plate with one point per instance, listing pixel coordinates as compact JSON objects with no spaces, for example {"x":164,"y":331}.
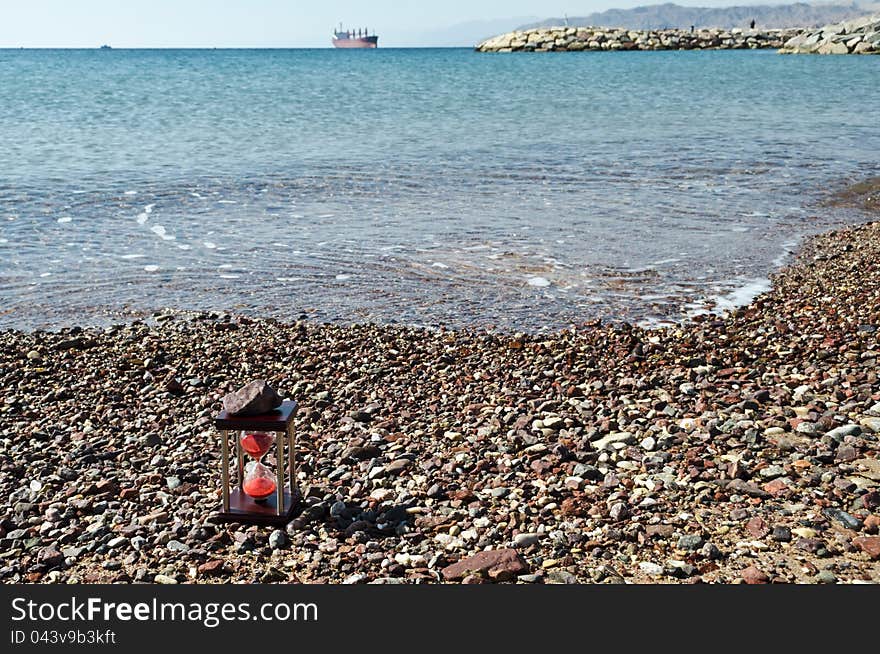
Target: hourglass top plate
{"x":276,"y":420}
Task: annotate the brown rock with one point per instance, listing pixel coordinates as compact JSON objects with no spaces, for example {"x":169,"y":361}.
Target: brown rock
{"x":746,"y":488}
{"x":664,"y":531}
{"x":868,"y":544}
{"x":752,"y":575}
{"x":871,"y":500}
{"x":464,"y":495}
{"x":776,"y":487}
{"x":846,"y":453}
{"x":51,"y":557}
{"x":173,"y":385}
{"x":473,"y":579}
{"x":252,"y":399}
{"x":362,"y":453}
{"x":571,"y":507}
{"x":872,"y":524}
{"x":499,"y":565}
{"x":397,"y":466}
{"x":811,"y":545}
{"x":213,"y":567}
{"x":757,"y":527}
{"x":106,"y":486}
{"x":155,"y":516}
{"x":129,"y":494}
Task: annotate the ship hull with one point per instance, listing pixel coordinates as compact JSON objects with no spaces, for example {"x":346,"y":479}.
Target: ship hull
{"x":366,"y":42}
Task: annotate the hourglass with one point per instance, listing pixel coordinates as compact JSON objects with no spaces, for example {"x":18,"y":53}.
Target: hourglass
{"x":260,"y":495}
{"x":257,"y":481}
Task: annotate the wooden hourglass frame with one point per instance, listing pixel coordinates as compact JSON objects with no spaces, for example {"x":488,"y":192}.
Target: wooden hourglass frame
{"x":280,"y":508}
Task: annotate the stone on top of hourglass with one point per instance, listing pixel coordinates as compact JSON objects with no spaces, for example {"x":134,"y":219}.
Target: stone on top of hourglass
{"x":273,"y":421}
{"x":254,"y":398}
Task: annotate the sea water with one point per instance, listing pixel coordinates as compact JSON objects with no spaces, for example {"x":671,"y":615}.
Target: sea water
{"x":429,"y":187}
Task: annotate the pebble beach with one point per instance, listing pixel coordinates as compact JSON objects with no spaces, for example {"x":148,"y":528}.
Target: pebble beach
{"x":735,"y":448}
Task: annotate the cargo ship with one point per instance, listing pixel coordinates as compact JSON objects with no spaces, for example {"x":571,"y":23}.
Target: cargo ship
{"x":354,"y":38}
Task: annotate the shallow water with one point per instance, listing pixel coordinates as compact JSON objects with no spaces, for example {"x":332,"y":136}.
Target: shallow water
{"x":419,"y":186}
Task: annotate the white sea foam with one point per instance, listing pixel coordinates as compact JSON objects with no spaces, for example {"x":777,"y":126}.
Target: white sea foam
{"x":288,"y":279}
{"x":787,"y":248}
{"x":151,"y":268}
{"x":226,"y":202}
{"x":132,"y":256}
{"x":46,"y":274}
{"x":210,"y":245}
{"x":4,"y":240}
{"x":228,"y":276}
{"x":325,"y":215}
{"x":160,"y":231}
{"x":131,"y":193}
{"x":149,"y":208}
{"x":142,"y":218}
{"x":437,"y":264}
{"x":195,"y":195}
{"x":540,"y":282}
{"x":747,"y":293}
{"x":655,"y":323}
{"x":65,"y":219}
{"x":184,"y":246}
{"x":343,"y":277}
{"x":738,"y":297}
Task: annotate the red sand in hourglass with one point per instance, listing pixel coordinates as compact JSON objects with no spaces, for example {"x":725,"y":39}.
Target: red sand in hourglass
{"x":257,"y":444}
{"x":259,"y":488}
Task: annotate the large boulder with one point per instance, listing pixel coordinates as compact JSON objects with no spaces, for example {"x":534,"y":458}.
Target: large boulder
{"x":855,"y":37}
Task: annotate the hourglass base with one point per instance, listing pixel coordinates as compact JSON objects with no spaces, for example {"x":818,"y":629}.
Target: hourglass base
{"x":244,"y":509}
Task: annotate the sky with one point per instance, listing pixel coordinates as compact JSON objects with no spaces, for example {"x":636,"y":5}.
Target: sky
{"x":274,"y":23}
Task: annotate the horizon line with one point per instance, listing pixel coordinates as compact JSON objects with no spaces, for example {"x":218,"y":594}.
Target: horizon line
{"x":227,"y":47}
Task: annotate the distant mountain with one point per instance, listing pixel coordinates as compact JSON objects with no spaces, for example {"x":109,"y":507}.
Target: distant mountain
{"x":461,"y":34}
{"x":672,"y":15}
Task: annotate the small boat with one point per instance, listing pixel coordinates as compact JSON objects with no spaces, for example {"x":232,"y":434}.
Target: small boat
{"x":105,"y":47}
{"x":359,"y":38}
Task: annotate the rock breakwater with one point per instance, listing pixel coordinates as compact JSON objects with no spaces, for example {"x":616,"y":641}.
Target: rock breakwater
{"x":860,"y":36}
{"x":577,"y":39}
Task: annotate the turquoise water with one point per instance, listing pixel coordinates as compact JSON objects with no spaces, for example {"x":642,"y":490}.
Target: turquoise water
{"x":421,"y":186}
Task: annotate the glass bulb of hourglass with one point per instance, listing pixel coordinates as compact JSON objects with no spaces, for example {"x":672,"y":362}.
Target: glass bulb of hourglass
{"x":256,"y":443}
{"x":258,"y":482}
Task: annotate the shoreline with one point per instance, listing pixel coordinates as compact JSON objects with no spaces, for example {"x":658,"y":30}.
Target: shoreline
{"x":712,"y":302}
{"x":739,"y":448}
